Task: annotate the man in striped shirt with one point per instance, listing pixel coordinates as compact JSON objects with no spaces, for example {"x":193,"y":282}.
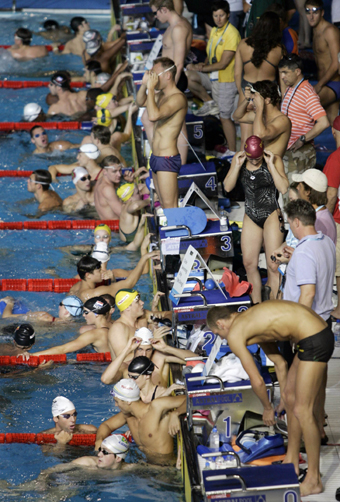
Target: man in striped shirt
{"x":302,"y":105}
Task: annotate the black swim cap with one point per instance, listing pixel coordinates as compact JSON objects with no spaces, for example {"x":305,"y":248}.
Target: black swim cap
{"x":51,"y":25}
{"x":24,"y":335}
{"x":98,"y":305}
{"x":61,"y":79}
{"x":141,"y":365}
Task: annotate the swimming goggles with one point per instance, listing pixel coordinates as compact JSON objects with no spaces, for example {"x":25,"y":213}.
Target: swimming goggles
{"x":84,"y":178}
{"x":168,"y":69}
{"x":312,"y":10}
{"x":104,"y":452}
{"x":134,"y":377}
{"x":41,"y":134}
{"x":68,"y":415}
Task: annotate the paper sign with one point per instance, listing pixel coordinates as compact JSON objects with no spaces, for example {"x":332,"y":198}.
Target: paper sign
{"x":171,"y":245}
{"x":154,"y":52}
{"x":183,"y":274}
{"x":212,"y":356}
{"x":194,"y":188}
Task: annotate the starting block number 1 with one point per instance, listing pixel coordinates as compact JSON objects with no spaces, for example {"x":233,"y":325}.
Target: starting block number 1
{"x":227,"y":421}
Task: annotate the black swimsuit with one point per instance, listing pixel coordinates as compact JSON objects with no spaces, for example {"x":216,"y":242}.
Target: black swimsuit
{"x":154,"y":393}
{"x":318,"y":347}
{"x":260,"y":193}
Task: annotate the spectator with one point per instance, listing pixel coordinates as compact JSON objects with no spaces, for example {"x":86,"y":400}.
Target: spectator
{"x":302,"y":105}
{"x":289,"y":36}
{"x":332,"y":171}
{"x":258,"y":7}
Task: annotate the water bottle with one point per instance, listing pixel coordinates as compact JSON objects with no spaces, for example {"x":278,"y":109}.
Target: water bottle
{"x":194,"y":107}
{"x":214,"y":440}
{"x":219,"y":464}
{"x":337,"y":333}
{"x":207,"y":467}
{"x":144,"y":25}
{"x":223,"y":220}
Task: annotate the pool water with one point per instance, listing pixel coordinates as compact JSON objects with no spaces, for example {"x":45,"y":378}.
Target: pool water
{"x":26,"y":394}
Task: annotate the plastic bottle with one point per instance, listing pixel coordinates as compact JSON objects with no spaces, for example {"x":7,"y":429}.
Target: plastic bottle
{"x":214,"y":440}
{"x":194,"y":107}
{"x":207,"y":466}
{"x":144,"y":25}
{"x":337,"y":333}
{"x":219,"y":464}
{"x":223,"y":220}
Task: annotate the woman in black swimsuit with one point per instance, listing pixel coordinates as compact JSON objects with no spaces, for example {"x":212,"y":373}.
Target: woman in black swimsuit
{"x":263,"y":177}
{"x":257,"y":58}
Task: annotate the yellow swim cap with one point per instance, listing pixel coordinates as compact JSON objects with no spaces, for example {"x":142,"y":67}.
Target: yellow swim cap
{"x":104,"y":117}
{"x":103,"y":226}
{"x":125,"y":191}
{"x":125,"y":297}
{"x":104,"y":99}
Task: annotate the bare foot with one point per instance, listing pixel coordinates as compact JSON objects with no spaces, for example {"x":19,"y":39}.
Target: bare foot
{"x":310,"y":487}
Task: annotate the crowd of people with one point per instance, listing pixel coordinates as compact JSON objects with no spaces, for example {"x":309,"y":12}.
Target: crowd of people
{"x":251,"y":75}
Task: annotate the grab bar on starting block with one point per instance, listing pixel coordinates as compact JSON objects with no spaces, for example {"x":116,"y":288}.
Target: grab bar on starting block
{"x":201,"y":377}
{"x":178,"y":227}
{"x":222,"y":477}
{"x":193,"y":293}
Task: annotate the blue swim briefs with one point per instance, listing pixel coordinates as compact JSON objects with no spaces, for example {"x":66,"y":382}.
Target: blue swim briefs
{"x":170,"y":164}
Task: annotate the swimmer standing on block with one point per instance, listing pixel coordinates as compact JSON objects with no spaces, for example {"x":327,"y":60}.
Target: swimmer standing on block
{"x":167,"y":111}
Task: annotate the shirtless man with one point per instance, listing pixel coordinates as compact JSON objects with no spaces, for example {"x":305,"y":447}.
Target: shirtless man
{"x":97,"y":313}
{"x":24,"y":338}
{"x":101,"y":137}
{"x":40,"y":141}
{"x":104,"y":53}
{"x":106,"y":200}
{"x":22,"y":50}
{"x":77,"y":46}
{"x":269,"y":123}
{"x":65,"y":416}
{"x":177,"y":41}
{"x":168,"y":112}
{"x":89,"y":270}
{"x":69,"y":103}
{"x":84,"y":193}
{"x":326,"y":46}
{"x":266,"y":324}
{"x":87,"y":155}
{"x":150,"y":345}
{"x":149,"y":423}
{"x":55,"y":32}
{"x":109,"y":102}
{"x":39,"y":184}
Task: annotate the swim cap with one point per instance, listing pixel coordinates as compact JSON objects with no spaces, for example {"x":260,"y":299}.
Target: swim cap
{"x":24,"y":335}
{"x":61,"y":405}
{"x":313,"y":178}
{"x":91,"y":35}
{"x":126,"y":390}
{"x":101,"y":252}
{"x":78,"y":173}
{"x":145,"y":334}
{"x":253,"y":147}
{"x":125,"y":297}
{"x":73,"y":305}
{"x":104,"y":117}
{"x":118,"y":444}
{"x":93,"y":46}
{"x":103,"y":226}
{"x":90,"y":150}
{"x":336,"y":123}
{"x":125,"y":191}
{"x":104,"y":99}
{"x":31,"y":111}
{"x":97,"y":305}
{"x":60,"y":79}
{"x":141,"y":365}
{"x":50,"y":25}
{"x":102,"y":78}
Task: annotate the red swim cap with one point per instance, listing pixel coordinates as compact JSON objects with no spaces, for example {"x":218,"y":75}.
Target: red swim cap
{"x":253,"y":147}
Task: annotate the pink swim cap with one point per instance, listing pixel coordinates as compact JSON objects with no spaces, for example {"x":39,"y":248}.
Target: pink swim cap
{"x":253,"y":147}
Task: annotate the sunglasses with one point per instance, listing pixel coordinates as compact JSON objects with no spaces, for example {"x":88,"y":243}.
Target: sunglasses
{"x":68,"y":415}
{"x":41,"y":134}
{"x":84,"y":178}
{"x":312,"y":10}
{"x":104,"y":452}
{"x":154,"y":13}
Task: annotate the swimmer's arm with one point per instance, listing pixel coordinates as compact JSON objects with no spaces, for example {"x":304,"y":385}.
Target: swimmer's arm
{"x":276,"y":169}
{"x":112,"y":200}
{"x":109,"y":374}
{"x":271,"y":131}
{"x":180,"y":354}
{"x":307,"y":295}
{"x":332,"y":197}
{"x":67,"y":49}
{"x":137,"y":206}
{"x":141,"y":95}
{"x":231,"y":179}
{"x":281,"y":368}
{"x":170,"y":107}
{"x":241,"y":115}
{"x":82,"y":341}
{"x":238,"y":69}
{"x":62,"y":169}
{"x":109,"y":426}
{"x":162,"y":405}
{"x":179,"y":45}
{"x":331,"y":35}
{"x":67,"y":144}
{"x":118,"y":338}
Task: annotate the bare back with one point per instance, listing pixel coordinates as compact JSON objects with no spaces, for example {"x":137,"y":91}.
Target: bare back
{"x":266,"y":71}
{"x":50,"y":200}
{"x":27,"y":52}
{"x":104,"y":192}
{"x":69,"y":104}
{"x":184,"y":32}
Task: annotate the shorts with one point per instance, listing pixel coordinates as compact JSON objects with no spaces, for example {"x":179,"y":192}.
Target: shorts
{"x":317,"y":348}
{"x":223,"y":93}
{"x":298,"y":162}
{"x":337,"y":269}
{"x":212,"y":86}
{"x":335,"y":86}
{"x":171,"y":164}
{"x":182,"y":83}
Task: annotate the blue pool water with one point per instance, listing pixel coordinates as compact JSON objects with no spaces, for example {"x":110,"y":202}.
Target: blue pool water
{"x":26,"y":397}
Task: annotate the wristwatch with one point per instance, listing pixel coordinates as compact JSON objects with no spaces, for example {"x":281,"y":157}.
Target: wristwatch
{"x":303,"y":139}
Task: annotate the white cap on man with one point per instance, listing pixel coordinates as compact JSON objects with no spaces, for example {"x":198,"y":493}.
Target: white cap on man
{"x":145,"y":334}
{"x":313,"y":178}
{"x":91,"y":150}
{"x":118,"y":444}
{"x":61,"y":405}
{"x":78,"y":173}
{"x":31,"y":111}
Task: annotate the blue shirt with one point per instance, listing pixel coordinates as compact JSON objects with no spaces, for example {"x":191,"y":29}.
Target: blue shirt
{"x":313,"y":262}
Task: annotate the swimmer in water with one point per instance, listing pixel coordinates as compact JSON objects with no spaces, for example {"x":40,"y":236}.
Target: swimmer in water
{"x":22,"y":50}
{"x":33,"y":113}
{"x":65,"y":417}
{"x":40,"y":141}
{"x":103,"y":52}
{"x":96,"y":312}
{"x":69,"y":103}
{"x":84,"y":192}
{"x":24,"y":339}
{"x":39,"y":184}
{"x":69,"y":308}
{"x":77,"y":46}
{"x":54,"y":32}
{"x":87,"y":156}
{"x":130,"y":216}
{"x":149,"y":423}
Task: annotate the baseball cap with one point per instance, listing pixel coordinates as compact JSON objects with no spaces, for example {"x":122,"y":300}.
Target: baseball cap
{"x":313,"y":178}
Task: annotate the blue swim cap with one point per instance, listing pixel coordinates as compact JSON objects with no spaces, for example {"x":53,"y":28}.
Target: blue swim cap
{"x":73,"y":305}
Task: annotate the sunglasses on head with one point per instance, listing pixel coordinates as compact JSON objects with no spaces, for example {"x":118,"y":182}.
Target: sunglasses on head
{"x":40,"y":134}
{"x":104,"y":452}
{"x":312,"y":10}
{"x":84,"y":178}
{"x":68,"y":415}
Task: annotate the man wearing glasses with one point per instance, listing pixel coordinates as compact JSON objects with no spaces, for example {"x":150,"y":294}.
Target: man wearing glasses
{"x":84,"y":195}
{"x":69,"y":103}
{"x":326,"y":46}
{"x":39,"y":184}
{"x":40,"y":141}
{"x":65,"y":417}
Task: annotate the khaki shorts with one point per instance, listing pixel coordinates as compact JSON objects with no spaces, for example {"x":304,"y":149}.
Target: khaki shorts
{"x":298,"y":162}
{"x":337,"y":269}
{"x":223,"y":93}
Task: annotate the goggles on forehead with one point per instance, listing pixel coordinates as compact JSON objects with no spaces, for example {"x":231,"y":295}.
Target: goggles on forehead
{"x":168,"y":69}
{"x":312,"y":10}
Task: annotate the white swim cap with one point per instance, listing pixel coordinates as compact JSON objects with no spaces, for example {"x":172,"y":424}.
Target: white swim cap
{"x":93,"y":46}
{"x":102,"y":78}
{"x":61,"y":405}
{"x":145,"y":334}
{"x":91,"y":35}
{"x":90,"y":150}
{"x":31,"y":111}
{"x":126,"y":390}
{"x":78,"y":173}
{"x":118,"y":444}
{"x":101,"y":252}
